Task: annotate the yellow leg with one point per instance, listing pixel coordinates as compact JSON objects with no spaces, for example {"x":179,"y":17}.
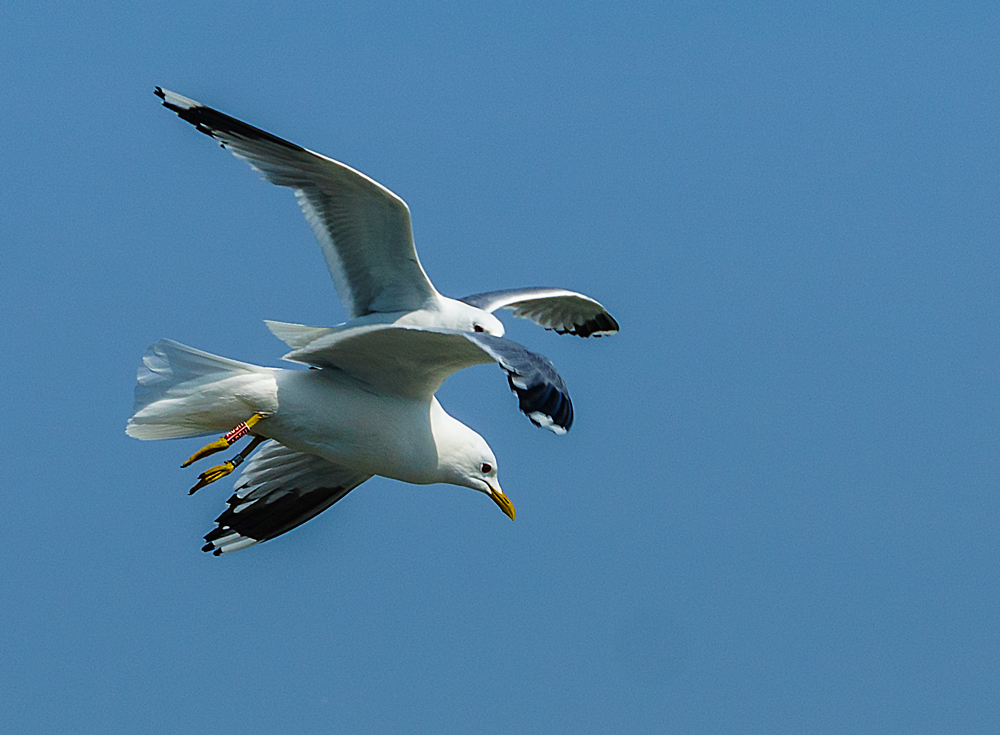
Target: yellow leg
{"x":221,"y":470}
{"x":225,"y":442}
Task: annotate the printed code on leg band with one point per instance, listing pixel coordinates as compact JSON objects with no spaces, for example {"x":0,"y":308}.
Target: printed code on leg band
{"x":236,"y":433}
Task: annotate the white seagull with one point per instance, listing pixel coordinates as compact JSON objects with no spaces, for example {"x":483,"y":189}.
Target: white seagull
{"x":364,"y":232}
{"x":367,"y":407}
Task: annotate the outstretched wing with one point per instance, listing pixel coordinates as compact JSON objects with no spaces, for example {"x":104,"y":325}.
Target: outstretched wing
{"x":362,"y":227}
{"x":540,"y":390}
{"x":278,"y":490}
{"x":557,"y":309}
{"x":413,"y":362}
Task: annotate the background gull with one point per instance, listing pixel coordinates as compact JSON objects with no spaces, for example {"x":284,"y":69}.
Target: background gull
{"x":365,"y":234}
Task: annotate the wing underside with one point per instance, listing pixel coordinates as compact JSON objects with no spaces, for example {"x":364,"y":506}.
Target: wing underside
{"x":362,"y":228}
{"x":278,"y":490}
{"x":555,"y":309}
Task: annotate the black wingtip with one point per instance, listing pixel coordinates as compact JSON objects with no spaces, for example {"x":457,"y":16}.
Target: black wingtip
{"x":542,"y":395}
{"x":215,"y":534}
{"x":218,"y":125}
{"x":545,"y":400}
{"x":601,"y":325}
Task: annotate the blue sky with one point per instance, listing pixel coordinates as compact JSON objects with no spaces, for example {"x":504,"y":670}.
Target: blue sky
{"x":778,"y":508}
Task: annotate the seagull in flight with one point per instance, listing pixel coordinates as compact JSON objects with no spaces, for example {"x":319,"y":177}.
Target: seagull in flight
{"x":367,"y":409}
{"x":364,"y":232}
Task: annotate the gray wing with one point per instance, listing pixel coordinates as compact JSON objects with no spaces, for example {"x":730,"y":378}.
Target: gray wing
{"x":278,"y":490}
{"x":362,"y":227}
{"x":413,"y":362}
{"x":541,"y":393}
{"x":557,"y":309}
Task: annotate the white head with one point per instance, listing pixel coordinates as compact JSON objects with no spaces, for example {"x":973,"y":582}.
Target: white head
{"x":465,"y":459}
{"x":446,"y":313}
{"x":459,"y":315}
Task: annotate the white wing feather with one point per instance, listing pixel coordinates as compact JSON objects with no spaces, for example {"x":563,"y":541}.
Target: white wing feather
{"x":362,"y":228}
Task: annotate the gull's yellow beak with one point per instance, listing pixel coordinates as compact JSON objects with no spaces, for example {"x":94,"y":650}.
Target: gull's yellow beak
{"x":503,"y":501}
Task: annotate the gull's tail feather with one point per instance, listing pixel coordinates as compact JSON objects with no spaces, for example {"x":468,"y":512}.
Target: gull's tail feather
{"x":182,"y":392}
{"x":297,"y":336}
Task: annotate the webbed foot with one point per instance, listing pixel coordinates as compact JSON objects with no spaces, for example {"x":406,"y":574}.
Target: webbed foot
{"x":221,"y":470}
{"x":225,"y":442}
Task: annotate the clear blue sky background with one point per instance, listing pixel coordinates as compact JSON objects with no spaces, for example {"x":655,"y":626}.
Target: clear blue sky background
{"x":779,"y":508}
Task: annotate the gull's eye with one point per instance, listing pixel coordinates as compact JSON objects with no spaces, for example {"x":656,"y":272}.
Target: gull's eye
{"x":486,"y":468}
{"x":479,"y":328}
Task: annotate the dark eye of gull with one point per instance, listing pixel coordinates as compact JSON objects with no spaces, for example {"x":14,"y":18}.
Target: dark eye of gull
{"x":478,"y":328}
{"x":486,"y":468}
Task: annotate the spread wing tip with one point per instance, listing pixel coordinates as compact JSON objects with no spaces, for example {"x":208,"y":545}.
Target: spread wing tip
{"x":174,"y":101}
{"x":227,"y":130}
{"x":601,"y":325}
{"x":541,"y":393}
{"x":546,"y":404}
{"x":223,"y":539}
